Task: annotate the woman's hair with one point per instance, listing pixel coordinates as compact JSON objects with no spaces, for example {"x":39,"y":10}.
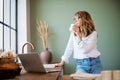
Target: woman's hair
{"x":87,"y":22}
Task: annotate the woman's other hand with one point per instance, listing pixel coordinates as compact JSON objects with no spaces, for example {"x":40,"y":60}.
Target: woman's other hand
{"x":59,"y":64}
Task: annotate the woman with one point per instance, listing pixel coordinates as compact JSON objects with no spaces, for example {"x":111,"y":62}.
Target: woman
{"x":83,"y":43}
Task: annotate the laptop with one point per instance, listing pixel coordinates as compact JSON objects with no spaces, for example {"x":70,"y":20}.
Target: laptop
{"x":32,"y":63}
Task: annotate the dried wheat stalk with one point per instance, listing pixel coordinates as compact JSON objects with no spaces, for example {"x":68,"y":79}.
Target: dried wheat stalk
{"x":43,"y":31}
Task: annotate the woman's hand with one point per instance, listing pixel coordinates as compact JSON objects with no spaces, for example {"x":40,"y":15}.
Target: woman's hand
{"x":79,"y":35}
{"x":60,"y":64}
{"x":75,"y":27}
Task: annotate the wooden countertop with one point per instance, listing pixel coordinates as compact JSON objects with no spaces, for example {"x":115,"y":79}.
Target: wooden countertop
{"x":66,"y":77}
{"x":39,"y":76}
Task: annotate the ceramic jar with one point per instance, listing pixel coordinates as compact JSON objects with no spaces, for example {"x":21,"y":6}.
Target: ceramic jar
{"x":46,"y":56}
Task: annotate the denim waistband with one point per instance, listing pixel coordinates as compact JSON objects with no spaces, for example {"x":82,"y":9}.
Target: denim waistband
{"x":90,"y":59}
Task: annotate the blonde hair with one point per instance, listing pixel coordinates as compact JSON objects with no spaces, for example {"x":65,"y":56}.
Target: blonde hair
{"x":87,"y":22}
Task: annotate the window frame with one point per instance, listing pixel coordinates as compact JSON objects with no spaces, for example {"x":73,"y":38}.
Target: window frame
{"x":8,"y":26}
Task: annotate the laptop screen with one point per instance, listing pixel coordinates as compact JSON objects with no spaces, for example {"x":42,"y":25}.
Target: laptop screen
{"x":32,"y":62}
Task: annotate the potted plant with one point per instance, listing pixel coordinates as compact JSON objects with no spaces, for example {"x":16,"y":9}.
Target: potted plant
{"x":43,"y":32}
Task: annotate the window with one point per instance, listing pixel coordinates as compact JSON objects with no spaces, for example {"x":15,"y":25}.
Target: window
{"x":8,"y":25}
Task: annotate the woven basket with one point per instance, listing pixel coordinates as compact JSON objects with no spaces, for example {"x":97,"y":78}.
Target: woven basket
{"x":9,"y":74}
{"x":6,"y":60}
{"x":9,"y":70}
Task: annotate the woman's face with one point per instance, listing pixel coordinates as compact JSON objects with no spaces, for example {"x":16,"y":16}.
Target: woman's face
{"x":78,"y":21}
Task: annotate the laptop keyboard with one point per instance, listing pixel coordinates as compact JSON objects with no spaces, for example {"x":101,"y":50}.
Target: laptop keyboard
{"x":49,"y":65}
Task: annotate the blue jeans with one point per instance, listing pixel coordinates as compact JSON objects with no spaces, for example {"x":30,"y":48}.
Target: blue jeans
{"x":89,"y":65}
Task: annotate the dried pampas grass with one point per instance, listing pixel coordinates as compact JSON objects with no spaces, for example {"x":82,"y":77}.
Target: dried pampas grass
{"x":43,"y":31}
